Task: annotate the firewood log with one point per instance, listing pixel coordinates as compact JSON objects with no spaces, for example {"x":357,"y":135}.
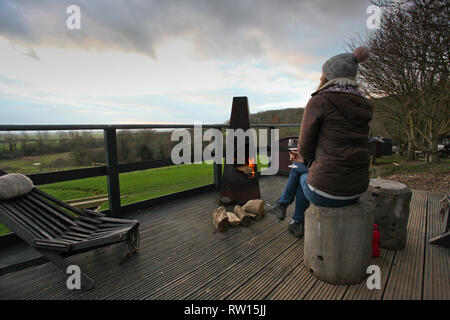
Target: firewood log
{"x":233,"y":219}
{"x":243,"y":216}
{"x":220,"y":219}
{"x":225,"y":200}
{"x":255,"y":206}
{"x":244,"y":169}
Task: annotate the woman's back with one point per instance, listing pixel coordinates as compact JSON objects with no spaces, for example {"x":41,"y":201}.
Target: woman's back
{"x":337,"y":125}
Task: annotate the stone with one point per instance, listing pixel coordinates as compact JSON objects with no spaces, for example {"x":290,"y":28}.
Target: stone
{"x":338,"y":242}
{"x":392,"y":200}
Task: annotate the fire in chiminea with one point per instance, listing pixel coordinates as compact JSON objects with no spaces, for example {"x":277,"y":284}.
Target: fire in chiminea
{"x":240,"y":181}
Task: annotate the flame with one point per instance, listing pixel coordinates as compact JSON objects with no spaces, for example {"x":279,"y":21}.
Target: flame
{"x":252,"y":165}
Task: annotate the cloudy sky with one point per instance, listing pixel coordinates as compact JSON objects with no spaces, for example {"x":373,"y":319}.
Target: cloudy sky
{"x":165,"y":61}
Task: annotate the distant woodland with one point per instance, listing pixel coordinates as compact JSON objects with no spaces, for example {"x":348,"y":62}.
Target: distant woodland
{"x":85,"y":148}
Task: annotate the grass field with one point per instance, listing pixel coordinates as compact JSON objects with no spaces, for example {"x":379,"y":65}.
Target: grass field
{"x":386,"y":166}
{"x":27,"y":164}
{"x":137,"y":186}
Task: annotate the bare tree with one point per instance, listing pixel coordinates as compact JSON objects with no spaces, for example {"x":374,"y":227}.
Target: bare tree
{"x":409,"y":63}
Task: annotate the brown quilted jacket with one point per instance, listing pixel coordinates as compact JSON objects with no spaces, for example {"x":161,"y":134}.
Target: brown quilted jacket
{"x":334,"y":141}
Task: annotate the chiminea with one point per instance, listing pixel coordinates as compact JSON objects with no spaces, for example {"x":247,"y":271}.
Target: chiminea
{"x":240,"y":181}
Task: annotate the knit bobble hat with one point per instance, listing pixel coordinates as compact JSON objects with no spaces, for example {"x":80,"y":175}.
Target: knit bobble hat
{"x":345,"y":65}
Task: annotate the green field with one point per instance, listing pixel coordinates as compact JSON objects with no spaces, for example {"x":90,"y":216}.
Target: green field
{"x":27,"y":164}
{"x":389,"y":165}
{"x":137,"y":186}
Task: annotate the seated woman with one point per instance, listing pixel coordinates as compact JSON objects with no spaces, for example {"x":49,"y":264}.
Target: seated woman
{"x":333,"y":158}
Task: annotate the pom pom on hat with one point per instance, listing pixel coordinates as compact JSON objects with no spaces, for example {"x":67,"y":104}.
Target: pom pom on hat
{"x":361,"y":54}
{"x":344,"y":65}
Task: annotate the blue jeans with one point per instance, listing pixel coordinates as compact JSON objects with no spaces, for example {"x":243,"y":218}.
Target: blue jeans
{"x":298,"y":188}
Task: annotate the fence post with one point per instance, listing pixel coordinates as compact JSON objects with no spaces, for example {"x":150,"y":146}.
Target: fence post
{"x":113,"y":174}
{"x":218,"y":172}
{"x":269,"y":149}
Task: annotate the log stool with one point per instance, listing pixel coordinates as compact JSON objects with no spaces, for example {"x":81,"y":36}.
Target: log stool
{"x":338,"y":242}
{"x":392,"y":201}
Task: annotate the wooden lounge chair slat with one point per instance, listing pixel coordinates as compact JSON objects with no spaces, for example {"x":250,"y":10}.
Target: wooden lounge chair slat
{"x":89,"y":226}
{"x":52,"y":209}
{"x":73,"y":238}
{"x":52,"y":245}
{"x":59,"y":226}
{"x":36,"y":218}
{"x":97,"y":234}
{"x":112,"y":226}
{"x":115,"y":220}
{"x":90,"y":220}
{"x":36,"y":214}
{"x":94,"y":214}
{"x":100,"y":241}
{"x":19,"y":222}
{"x":59,"y":202}
{"x":26,"y":221}
{"x":77,"y":234}
{"x":55,"y":206}
{"x":81,"y":229}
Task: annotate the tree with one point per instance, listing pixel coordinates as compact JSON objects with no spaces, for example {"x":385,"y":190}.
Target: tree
{"x":11,"y":140}
{"x":409,"y":63}
{"x":145,"y":153}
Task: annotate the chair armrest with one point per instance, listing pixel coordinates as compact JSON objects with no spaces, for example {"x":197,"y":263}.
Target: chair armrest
{"x":93,"y":214}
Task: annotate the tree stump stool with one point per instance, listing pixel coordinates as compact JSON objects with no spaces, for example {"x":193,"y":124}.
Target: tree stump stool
{"x":338,"y":242}
{"x":392,"y":200}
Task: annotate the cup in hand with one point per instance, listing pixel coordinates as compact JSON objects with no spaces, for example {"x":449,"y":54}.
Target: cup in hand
{"x":292,"y":146}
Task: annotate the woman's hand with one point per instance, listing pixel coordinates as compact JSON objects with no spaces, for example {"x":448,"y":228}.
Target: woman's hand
{"x":295,"y":156}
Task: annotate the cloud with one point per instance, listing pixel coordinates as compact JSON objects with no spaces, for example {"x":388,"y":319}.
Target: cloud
{"x":165,"y":60}
{"x":233,"y":29}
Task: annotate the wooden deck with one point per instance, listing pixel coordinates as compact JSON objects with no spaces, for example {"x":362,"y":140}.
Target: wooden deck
{"x":181,"y":257}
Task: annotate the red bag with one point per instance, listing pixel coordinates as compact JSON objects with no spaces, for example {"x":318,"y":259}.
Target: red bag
{"x":376,"y":241}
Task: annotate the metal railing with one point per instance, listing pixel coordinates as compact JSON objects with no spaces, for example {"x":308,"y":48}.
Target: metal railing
{"x":112,"y":169}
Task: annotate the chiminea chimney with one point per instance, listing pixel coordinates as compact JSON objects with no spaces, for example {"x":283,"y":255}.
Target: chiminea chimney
{"x":240,"y":181}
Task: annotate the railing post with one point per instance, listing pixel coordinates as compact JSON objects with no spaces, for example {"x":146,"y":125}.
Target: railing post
{"x":218,"y":172}
{"x":113,"y":173}
{"x":269,"y":147}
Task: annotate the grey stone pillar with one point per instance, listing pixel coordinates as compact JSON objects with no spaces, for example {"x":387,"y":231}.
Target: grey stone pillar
{"x":392,"y":200}
{"x":338,"y":242}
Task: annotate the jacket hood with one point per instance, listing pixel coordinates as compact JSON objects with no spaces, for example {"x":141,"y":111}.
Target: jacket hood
{"x":356,"y":110}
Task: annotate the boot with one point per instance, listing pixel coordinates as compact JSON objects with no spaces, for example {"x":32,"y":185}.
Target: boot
{"x":297,"y":228}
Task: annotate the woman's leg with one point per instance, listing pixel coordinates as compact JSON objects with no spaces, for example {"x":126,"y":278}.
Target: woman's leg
{"x":290,"y":190}
{"x":296,"y":226}
{"x":301,"y":202}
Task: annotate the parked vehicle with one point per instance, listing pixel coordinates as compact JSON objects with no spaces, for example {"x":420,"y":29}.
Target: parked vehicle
{"x":444,"y":147}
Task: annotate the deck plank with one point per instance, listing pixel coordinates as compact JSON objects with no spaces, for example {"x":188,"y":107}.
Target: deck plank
{"x":406,"y":276}
{"x":360,"y":291}
{"x":295,"y":285}
{"x":437,"y":266}
{"x":271,"y":275}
